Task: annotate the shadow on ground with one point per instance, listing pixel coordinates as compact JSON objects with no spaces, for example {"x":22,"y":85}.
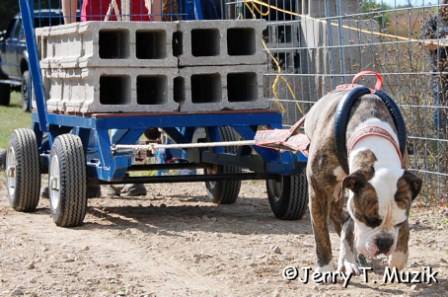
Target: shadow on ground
{"x":247,"y":216}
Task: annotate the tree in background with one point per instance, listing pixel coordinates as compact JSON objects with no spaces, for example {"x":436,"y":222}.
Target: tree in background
{"x":373,"y":5}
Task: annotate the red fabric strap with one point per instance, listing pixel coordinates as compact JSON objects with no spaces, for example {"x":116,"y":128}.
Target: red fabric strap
{"x":379,"y":78}
{"x":376,"y":131}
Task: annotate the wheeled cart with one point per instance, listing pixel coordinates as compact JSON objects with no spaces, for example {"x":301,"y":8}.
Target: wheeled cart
{"x":77,"y":151}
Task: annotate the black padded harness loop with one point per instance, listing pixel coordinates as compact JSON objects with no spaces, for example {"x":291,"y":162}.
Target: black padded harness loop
{"x":398,"y":119}
{"x":341,"y":121}
{"x":343,"y":116}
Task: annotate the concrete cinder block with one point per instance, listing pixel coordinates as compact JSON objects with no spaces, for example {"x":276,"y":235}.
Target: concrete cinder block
{"x":222,"y":42}
{"x":114,"y":67}
{"x":93,"y":90}
{"x":220,"y":88}
{"x":244,"y":87}
{"x":200,"y":89}
{"x":107,"y":44}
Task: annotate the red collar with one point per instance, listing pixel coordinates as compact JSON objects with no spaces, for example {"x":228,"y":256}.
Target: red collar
{"x":373,"y":130}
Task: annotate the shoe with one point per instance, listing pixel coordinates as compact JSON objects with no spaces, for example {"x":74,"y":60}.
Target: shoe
{"x":112,"y":191}
{"x":134,"y":190}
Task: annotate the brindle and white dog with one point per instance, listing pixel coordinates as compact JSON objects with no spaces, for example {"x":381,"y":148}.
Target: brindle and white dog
{"x":370,"y":205}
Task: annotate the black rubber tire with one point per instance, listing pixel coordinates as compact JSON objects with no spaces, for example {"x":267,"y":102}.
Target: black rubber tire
{"x":288,"y":196}
{"x":5,"y":94}
{"x":26,"y":90}
{"x":2,"y":159}
{"x":72,"y":182}
{"x":25,"y":197}
{"x":227,"y":191}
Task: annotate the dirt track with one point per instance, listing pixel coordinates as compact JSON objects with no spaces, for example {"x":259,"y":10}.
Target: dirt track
{"x":175,"y":243}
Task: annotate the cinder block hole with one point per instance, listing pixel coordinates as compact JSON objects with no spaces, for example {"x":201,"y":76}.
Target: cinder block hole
{"x":151,"y":44}
{"x":241,"y":41}
{"x":179,"y":89}
{"x":152,"y":89}
{"x":205,"y":42}
{"x":177,"y":44}
{"x":114,"y":44}
{"x":206,"y":88}
{"x":242,"y":87}
{"x":115,"y":89}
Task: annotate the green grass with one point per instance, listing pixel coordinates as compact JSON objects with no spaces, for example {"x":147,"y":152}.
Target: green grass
{"x":12,"y":117}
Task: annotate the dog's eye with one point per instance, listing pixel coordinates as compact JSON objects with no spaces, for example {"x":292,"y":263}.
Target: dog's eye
{"x":373,"y":222}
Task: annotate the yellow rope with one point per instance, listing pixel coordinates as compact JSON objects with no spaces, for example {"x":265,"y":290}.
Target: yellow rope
{"x":259,"y":10}
{"x":279,"y":77}
{"x":359,"y":30}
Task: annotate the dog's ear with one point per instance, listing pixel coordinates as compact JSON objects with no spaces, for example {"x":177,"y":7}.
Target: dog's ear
{"x":355,"y":181}
{"x":414,"y":182}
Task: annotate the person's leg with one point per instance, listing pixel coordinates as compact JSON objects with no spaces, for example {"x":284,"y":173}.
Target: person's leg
{"x":69,"y":9}
{"x":127,"y":190}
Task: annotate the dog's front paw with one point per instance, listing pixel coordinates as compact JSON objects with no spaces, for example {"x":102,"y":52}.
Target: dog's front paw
{"x":326,"y":268}
{"x":398,"y":260}
{"x":349,"y":267}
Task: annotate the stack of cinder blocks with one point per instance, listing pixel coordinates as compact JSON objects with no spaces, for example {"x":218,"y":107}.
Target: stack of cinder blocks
{"x":190,"y":66}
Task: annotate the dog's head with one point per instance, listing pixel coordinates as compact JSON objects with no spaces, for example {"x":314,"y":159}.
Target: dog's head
{"x":379,"y":203}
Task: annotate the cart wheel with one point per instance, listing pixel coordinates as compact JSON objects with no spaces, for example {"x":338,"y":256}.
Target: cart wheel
{"x":5,"y":94}
{"x":226,"y":191}
{"x":23,"y":170}
{"x":67,"y":181}
{"x":288,"y":196}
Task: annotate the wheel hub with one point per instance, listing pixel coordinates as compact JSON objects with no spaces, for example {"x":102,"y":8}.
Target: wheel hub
{"x":54,"y":182}
{"x":11,"y":171}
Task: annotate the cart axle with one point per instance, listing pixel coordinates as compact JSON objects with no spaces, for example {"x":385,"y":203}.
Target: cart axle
{"x":157,"y":146}
{"x":189,"y":178}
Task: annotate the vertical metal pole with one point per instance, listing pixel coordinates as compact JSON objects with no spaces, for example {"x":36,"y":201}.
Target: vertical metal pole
{"x":28,"y":26}
{"x":329,"y":58}
{"x":126,"y":10}
{"x":198,"y":12}
{"x":341,"y":39}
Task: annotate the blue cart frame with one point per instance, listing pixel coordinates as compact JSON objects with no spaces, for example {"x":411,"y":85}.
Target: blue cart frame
{"x":105,"y":166}
{"x":108,"y":167}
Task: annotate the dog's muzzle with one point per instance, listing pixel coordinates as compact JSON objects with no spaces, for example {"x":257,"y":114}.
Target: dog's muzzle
{"x":384,"y":244}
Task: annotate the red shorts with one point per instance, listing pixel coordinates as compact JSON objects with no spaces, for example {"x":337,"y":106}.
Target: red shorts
{"x":95,"y":10}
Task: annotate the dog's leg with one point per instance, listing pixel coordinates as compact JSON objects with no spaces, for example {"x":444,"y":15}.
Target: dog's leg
{"x":337,"y":213}
{"x":399,"y":256}
{"x":319,"y":204}
{"x":347,"y":255}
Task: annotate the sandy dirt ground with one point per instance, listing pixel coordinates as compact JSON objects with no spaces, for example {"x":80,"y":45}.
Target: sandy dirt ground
{"x":174,"y":242}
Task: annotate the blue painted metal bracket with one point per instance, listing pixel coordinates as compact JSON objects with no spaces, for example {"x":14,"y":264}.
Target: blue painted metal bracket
{"x":28,"y":26}
{"x":271,"y":119}
{"x":113,"y":167}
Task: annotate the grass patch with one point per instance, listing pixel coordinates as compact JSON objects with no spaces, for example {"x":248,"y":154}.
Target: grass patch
{"x":12,"y":117}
